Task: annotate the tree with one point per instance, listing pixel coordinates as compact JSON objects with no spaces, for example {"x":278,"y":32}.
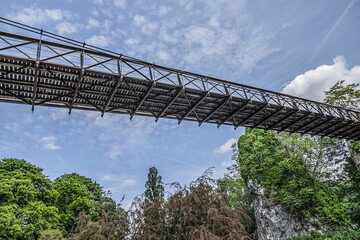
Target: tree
{"x":26,"y":198}
{"x":348,"y":96}
{"x":113,"y":224}
{"x":279,"y":162}
{"x":33,"y":207}
{"x":154,"y":186}
{"x":195,"y":212}
{"x":77,"y":194}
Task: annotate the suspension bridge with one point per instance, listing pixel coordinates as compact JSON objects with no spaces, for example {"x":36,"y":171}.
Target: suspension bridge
{"x":39,"y":68}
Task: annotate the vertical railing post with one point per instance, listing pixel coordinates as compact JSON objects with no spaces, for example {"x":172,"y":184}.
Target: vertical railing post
{"x":119,"y":79}
{"x":37,"y":65}
{"x":81,"y":74}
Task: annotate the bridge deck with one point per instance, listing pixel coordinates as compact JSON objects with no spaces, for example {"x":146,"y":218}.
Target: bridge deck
{"x":59,"y":72}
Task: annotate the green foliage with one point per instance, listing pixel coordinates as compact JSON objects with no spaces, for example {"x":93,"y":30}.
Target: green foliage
{"x":26,"y":181}
{"x":343,"y":96}
{"x":154,"y":186}
{"x":314,"y":235}
{"x":352,"y":197}
{"x":51,"y":234}
{"x":25,"y":201}
{"x":77,"y":194}
{"x":349,"y":96}
{"x":278,"y":162}
{"x":234,"y":186}
{"x":32,"y":207}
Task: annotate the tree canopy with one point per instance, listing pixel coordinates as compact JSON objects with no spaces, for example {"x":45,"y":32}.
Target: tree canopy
{"x":34,"y":207}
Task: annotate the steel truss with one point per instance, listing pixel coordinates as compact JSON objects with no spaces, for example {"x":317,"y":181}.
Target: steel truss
{"x":50,"y":70}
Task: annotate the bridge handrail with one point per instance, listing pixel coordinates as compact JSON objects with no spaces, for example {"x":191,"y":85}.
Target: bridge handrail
{"x":64,"y":42}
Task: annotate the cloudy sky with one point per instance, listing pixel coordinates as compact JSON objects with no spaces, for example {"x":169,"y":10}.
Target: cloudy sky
{"x":298,"y":47}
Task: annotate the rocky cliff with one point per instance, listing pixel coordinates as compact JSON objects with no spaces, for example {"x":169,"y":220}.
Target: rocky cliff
{"x":273,"y":221}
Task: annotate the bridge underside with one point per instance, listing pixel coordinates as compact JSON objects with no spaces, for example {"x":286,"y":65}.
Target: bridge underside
{"x":48,"y":73}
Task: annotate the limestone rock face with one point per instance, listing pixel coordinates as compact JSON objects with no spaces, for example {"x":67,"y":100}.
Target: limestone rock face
{"x":356,"y":157}
{"x":273,"y":222}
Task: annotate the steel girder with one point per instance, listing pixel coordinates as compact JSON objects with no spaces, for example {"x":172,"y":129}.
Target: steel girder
{"x":59,"y":72}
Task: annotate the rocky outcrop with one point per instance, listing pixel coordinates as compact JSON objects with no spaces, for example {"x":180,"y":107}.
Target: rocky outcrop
{"x":273,"y":221}
{"x":356,"y":157}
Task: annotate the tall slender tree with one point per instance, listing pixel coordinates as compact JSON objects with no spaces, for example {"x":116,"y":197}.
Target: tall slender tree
{"x":154,"y":186}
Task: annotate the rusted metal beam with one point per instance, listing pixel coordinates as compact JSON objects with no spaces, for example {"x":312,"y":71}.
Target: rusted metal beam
{"x":294,"y":122}
{"x":38,"y":55}
{"x":15,"y":95}
{"x":282,"y":119}
{"x":267,"y":118}
{"x":82,"y":71}
{"x":306,"y":124}
{"x":338,"y":128}
{"x":55,"y":98}
{"x":19,"y":50}
{"x":192,"y":108}
{"x":179,"y":91}
{"x":143,"y":99}
{"x":251,"y":115}
{"x":328,"y":127}
{"x":354,"y":131}
{"x":18,"y":45}
{"x":234,"y":113}
{"x":92,"y":87}
{"x":67,"y":85}
{"x":119,"y":79}
{"x":58,"y":55}
{"x":216,"y":109}
{"x":112,"y":94}
{"x":318,"y":125}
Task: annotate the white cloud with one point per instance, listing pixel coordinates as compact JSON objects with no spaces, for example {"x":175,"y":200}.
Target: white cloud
{"x":120,"y":3}
{"x":54,"y":14}
{"x":163,"y":10}
{"x":226,"y":164}
{"x":13,"y":126}
{"x":58,"y":113}
{"x":313,"y":83}
{"x":121,"y":185}
{"x":214,"y":31}
{"x":49,"y":142}
{"x":98,"y":41}
{"x":92,"y":23}
{"x":214,"y":22}
{"x":66,"y":28}
{"x":226,"y":147}
{"x":163,"y":55}
{"x":166,"y":36}
{"x":100,"y":2}
{"x":130,"y":135}
{"x":120,"y":18}
{"x":139,"y":20}
{"x":35,"y":15}
{"x":107,"y":177}
{"x":131,"y":41}
{"x":150,"y":27}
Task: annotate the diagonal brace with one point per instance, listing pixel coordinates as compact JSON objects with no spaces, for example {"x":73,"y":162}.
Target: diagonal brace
{"x":169,"y":104}
{"x":142,"y":100}
{"x":192,"y":108}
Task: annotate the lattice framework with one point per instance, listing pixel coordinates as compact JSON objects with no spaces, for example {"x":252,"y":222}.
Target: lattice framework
{"x":54,"y":71}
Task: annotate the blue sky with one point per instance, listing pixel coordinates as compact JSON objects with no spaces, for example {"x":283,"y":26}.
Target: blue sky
{"x":298,"y":47}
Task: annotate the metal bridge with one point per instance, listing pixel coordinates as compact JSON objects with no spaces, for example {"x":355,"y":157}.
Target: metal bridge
{"x":40,"y":68}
